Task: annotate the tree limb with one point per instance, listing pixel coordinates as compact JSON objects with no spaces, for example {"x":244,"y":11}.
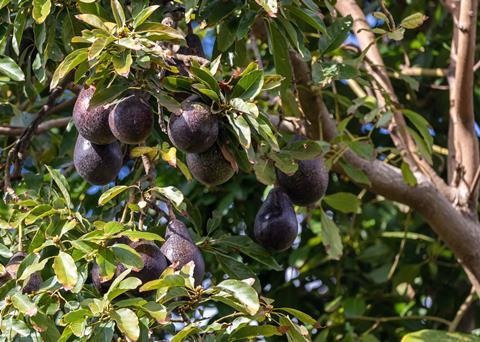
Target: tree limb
{"x":14,"y":131}
{"x":398,"y":127}
{"x":459,"y":232}
{"x":464,"y":159}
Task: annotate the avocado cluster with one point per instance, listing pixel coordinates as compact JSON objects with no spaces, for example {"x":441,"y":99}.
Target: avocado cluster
{"x":276,"y":223}
{"x":194,"y":129}
{"x":177,"y":250}
{"x":97,"y":156}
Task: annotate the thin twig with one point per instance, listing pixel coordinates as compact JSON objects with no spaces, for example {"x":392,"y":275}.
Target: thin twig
{"x":402,"y":247}
{"x":462,"y":310}
{"x":406,"y":318}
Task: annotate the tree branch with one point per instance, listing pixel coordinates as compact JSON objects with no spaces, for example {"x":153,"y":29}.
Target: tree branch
{"x":14,"y":131}
{"x":398,"y":127}
{"x":459,"y":232}
{"x":464,"y":152}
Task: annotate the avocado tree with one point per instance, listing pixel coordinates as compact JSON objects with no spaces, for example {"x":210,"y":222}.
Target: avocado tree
{"x":234,"y":170}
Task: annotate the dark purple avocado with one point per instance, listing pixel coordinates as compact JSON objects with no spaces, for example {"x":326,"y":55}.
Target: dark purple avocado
{"x":92,"y":121}
{"x":179,"y":249}
{"x":131,"y":119}
{"x":276,"y":225}
{"x":209,"y":167}
{"x":97,"y":164}
{"x":194,"y":129}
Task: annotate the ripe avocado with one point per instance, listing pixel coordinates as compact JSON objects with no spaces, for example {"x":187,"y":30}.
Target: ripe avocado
{"x":194,"y":129}
{"x":92,"y":121}
{"x":180,"y":249}
{"x":276,"y":225}
{"x":209,"y":167}
{"x":97,"y":164}
{"x":131,"y":119}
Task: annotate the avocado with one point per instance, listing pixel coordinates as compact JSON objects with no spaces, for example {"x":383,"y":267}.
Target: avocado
{"x":131,"y":119}
{"x":153,"y":260}
{"x":308,"y":184}
{"x":92,"y":121}
{"x":209,"y":167}
{"x":276,"y":225}
{"x":194,"y":129}
{"x":97,"y":164}
{"x":179,"y":249}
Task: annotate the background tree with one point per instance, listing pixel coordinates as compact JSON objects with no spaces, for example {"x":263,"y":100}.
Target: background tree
{"x":392,"y":249}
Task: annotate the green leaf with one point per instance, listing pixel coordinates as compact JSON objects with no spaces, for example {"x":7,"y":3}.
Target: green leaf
{"x":397,"y":35}
{"x":344,"y":202}
{"x":161,"y":31}
{"x":438,"y":336}
{"x":204,"y":76}
{"x":305,"y":318}
{"x":23,"y":304}
{"x":111,"y":193}
{"x":408,"y":175}
{"x":107,"y":95}
{"x":127,"y":256}
{"x":127,"y":322}
{"x":118,"y":13}
{"x":330,"y":237}
{"x":137,"y":235}
{"x":281,"y":58}
{"x":245,"y":245}
{"x":413,"y":21}
{"x":272,"y":81}
{"x":103,"y":332}
{"x":144,"y":15}
{"x":337,"y":32}
{"x":97,"y":47}
{"x":243,"y":293}
{"x":41,"y":10}
{"x":9,"y":68}
{"x":422,"y":125}
{"x":18,"y":29}
{"x":167,"y":101}
{"x":32,"y":268}
{"x":249,"y":86}
{"x":309,"y":17}
{"x":122,"y":63}
{"x":46,"y":326}
{"x":92,"y":20}
{"x":62,"y":184}
{"x":236,"y":269}
{"x":171,"y":280}
{"x":205,"y":90}
{"x":69,"y":63}
{"x":65,"y":270}
{"x":241,"y":128}
{"x":304,"y":150}
{"x":295,"y":333}
{"x":252,"y":331}
{"x":171,"y":193}
{"x":185,"y":332}
{"x":265,"y":171}
{"x":5,"y":252}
